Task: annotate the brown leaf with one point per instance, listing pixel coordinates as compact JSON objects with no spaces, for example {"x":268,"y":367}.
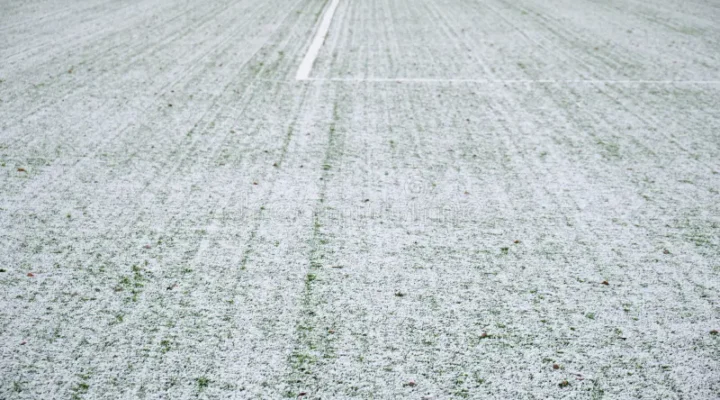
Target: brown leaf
{"x":605,"y":283}
{"x":30,"y":274}
{"x":555,"y":366}
{"x":21,"y":170}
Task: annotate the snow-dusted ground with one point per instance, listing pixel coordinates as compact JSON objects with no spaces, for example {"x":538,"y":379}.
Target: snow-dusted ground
{"x":464,"y":199}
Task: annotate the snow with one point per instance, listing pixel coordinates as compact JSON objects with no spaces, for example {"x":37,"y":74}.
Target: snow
{"x":460,"y":196}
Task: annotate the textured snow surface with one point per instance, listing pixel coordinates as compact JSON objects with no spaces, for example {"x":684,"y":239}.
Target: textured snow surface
{"x":465,"y":199}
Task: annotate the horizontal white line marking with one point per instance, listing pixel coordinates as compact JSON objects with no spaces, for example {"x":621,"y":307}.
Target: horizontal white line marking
{"x":312,"y":53}
{"x":443,"y":80}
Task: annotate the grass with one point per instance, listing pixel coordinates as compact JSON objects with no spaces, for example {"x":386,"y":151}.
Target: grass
{"x":81,"y":387}
{"x":165,"y":346}
{"x":612,"y":150}
{"x":132,"y":283}
{"x":202,"y":383}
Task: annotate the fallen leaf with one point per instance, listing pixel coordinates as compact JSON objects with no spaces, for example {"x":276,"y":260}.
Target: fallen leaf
{"x":555,"y":366}
{"x":605,"y":283}
{"x":411,"y":384}
{"x":30,"y":274}
{"x":564,"y":384}
{"x":21,"y":170}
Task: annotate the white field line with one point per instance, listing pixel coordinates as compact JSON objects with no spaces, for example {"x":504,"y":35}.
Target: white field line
{"x":312,"y":53}
{"x":450,"y":80}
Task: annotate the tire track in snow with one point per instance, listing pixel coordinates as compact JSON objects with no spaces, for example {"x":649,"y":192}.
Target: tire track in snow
{"x":313,"y":340}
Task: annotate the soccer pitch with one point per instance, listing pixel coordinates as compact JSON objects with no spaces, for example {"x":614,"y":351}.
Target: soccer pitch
{"x":371,"y":199}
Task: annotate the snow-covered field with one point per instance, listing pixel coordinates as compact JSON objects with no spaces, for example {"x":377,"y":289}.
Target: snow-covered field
{"x":387,"y":199}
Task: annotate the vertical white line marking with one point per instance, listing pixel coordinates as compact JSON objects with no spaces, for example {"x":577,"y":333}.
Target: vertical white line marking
{"x":307,"y":62}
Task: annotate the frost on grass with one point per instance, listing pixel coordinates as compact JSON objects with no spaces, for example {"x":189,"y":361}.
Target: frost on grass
{"x":465,"y":200}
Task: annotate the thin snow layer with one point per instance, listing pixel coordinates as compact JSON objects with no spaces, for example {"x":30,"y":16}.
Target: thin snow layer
{"x":467,"y":199}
